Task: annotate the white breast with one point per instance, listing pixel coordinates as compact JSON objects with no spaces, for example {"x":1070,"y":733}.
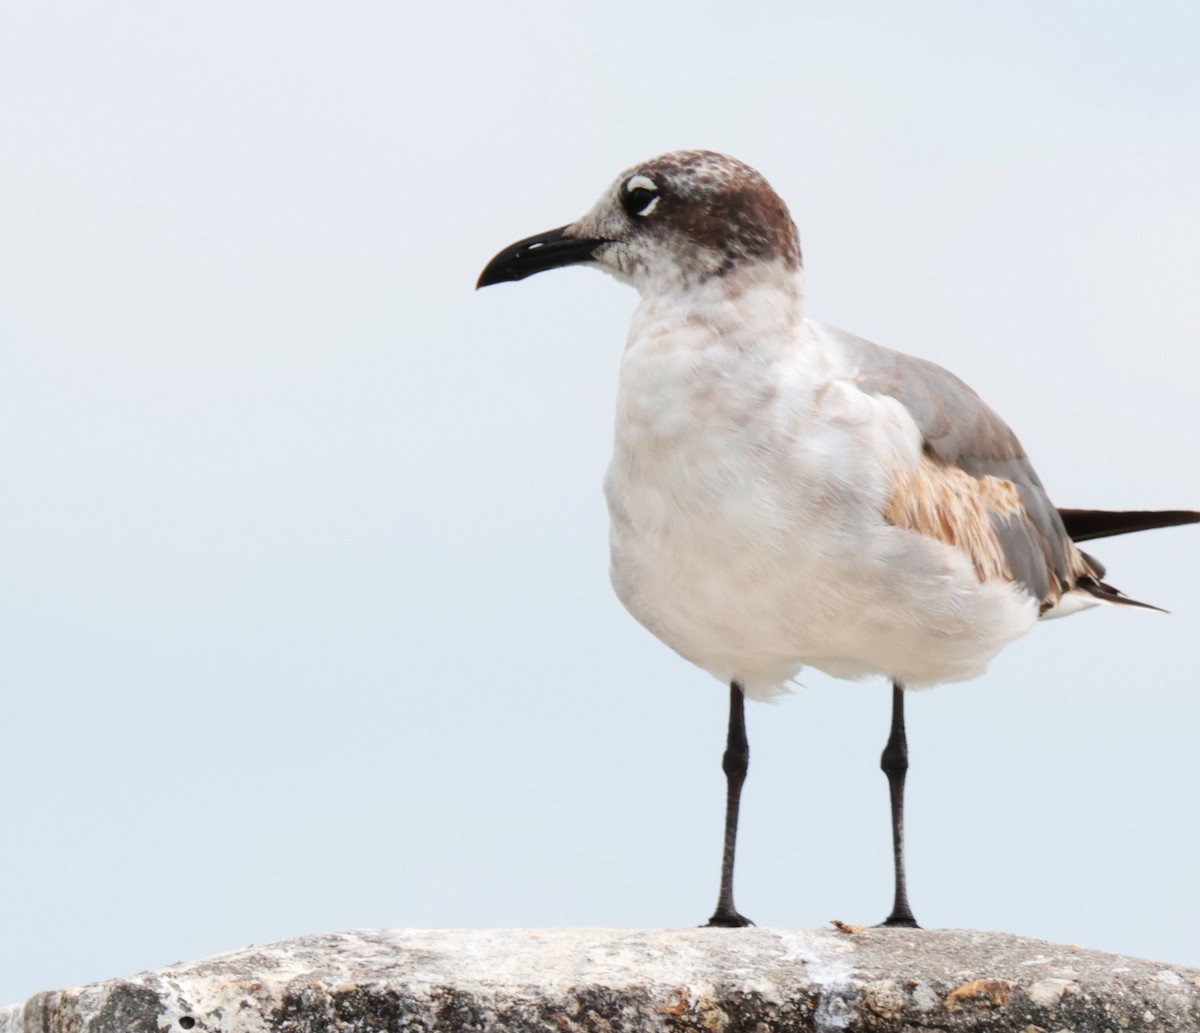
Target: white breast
{"x":746,"y":492}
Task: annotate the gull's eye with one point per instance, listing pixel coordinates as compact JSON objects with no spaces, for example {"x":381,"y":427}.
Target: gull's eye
{"x":640,"y":196}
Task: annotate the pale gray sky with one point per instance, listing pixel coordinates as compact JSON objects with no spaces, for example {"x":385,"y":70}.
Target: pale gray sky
{"x":306,"y":621}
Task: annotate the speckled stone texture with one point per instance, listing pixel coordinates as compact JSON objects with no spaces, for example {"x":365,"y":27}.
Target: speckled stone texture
{"x":607,"y":981}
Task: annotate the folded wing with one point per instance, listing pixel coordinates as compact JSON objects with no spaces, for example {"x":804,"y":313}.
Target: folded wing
{"x":974,"y":487}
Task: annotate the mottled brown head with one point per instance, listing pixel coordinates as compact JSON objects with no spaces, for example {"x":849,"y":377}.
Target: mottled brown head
{"x":695,"y":213}
{"x":680,"y":218}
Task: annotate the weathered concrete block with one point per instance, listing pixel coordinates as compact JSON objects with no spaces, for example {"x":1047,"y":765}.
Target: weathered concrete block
{"x":609,"y":981}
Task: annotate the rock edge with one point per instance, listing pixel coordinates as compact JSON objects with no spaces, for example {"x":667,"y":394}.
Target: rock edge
{"x":562,"y":980}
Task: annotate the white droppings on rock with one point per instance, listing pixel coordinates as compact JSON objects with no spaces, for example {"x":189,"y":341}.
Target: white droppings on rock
{"x":925,"y":998}
{"x":763,"y":988}
{"x":837,"y":1006}
{"x":1046,"y":993}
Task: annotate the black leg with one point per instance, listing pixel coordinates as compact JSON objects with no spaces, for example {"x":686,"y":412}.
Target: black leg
{"x":894,"y":763}
{"x":734,"y":763}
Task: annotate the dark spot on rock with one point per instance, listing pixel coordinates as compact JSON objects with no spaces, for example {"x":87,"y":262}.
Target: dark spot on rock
{"x":186,"y":1021}
{"x":127,"y":1007}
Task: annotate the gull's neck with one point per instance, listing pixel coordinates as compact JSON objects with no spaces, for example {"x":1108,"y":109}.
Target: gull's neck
{"x":752,"y":303}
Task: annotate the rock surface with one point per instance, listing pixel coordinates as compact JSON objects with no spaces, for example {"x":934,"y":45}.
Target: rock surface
{"x":603,"y":980}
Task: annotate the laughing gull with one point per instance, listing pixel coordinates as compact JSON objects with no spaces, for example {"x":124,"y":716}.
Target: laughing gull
{"x":784,"y":494}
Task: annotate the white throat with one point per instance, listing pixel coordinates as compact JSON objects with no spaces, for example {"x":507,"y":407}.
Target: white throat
{"x":744,"y":310}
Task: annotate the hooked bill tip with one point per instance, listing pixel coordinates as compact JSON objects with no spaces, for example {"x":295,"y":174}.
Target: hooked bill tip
{"x":551,"y":250}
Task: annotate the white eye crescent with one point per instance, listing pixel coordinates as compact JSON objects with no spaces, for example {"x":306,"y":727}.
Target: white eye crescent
{"x":641,"y":196}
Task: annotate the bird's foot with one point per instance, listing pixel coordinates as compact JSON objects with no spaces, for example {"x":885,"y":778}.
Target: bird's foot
{"x":726,"y":918}
{"x":898,"y":922}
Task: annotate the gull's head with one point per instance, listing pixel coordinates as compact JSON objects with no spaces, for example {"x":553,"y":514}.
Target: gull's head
{"x":676,"y":220}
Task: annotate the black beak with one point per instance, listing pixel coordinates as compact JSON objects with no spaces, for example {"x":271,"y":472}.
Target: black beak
{"x":537,"y":254}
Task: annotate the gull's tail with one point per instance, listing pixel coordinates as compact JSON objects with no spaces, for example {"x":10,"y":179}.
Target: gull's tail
{"x":1107,"y":594}
{"x":1082,"y":524}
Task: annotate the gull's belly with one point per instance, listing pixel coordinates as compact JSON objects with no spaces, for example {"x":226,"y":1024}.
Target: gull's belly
{"x":735,"y":599}
{"x":752,"y":578}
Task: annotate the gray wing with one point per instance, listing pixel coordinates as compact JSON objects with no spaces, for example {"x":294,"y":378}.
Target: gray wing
{"x":961,"y":431}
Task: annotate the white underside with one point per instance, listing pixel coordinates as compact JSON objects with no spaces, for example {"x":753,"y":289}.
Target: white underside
{"x":746,"y":492}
